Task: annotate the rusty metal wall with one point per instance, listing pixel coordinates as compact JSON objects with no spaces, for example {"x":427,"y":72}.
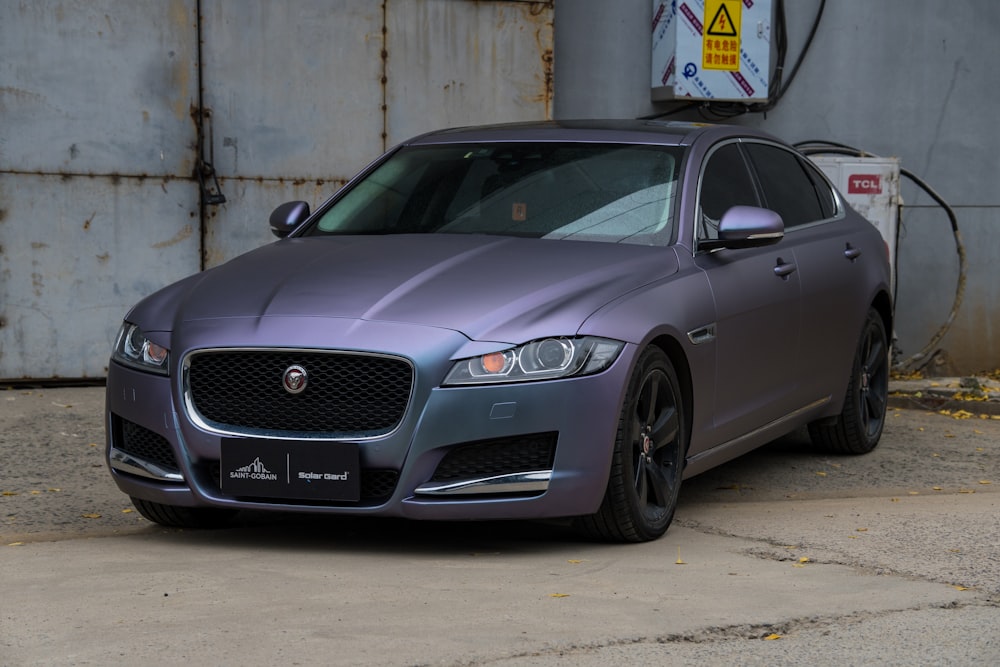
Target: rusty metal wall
{"x":326,"y":85}
{"x":96,"y":208}
{"x":109,"y":109}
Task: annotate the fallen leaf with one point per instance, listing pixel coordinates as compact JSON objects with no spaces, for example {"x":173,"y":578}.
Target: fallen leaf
{"x":574,"y":561}
{"x":772,"y":637}
{"x":821,"y":474}
{"x":966,"y":490}
{"x":936,"y":488}
{"x":985,"y":481}
{"x":679,"y":561}
{"x":9,"y":493}
{"x":36,"y":493}
{"x":16,"y":544}
{"x":558,"y":595}
{"x":862,"y":530}
{"x":129,"y":510}
{"x":804,"y":559}
{"x":91,"y":516}
{"x":54,"y":490}
{"x":960,"y":588}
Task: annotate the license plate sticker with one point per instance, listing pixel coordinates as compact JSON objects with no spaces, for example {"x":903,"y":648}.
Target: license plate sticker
{"x":293,"y":469}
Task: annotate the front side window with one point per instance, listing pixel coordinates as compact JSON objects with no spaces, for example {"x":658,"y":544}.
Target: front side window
{"x":590,"y":192}
{"x":725,"y":183}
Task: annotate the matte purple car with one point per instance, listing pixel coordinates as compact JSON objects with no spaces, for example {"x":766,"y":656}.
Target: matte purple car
{"x":540,"y":320}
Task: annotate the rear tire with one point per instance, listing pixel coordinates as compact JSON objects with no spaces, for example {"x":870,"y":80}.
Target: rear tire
{"x":648,"y":457}
{"x":184,"y":517}
{"x":858,"y":428}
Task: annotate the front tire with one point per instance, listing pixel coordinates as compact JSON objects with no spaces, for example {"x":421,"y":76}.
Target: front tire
{"x":648,"y":457}
{"x":858,"y":428}
{"x":183,"y":517}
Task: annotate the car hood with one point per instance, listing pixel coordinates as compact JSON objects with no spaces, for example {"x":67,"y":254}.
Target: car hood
{"x":488,"y":288}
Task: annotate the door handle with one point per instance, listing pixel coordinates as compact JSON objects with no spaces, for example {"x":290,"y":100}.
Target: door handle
{"x":783,"y":270}
{"x":852,"y":253}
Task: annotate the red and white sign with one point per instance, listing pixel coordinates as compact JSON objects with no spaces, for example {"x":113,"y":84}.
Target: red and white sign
{"x":864,"y":184}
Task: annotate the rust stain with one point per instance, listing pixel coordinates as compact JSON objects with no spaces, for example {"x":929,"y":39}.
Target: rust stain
{"x":103,"y":257}
{"x":86,"y":223}
{"x":180,"y":236}
{"x":38,"y":245}
{"x":179,"y":68}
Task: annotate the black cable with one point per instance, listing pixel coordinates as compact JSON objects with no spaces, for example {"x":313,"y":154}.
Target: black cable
{"x":922,"y":357}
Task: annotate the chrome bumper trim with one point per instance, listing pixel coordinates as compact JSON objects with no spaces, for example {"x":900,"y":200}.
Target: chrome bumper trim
{"x":125,"y":462}
{"x":520,"y":482}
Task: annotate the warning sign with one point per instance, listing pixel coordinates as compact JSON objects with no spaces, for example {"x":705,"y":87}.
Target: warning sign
{"x":721,"y":39}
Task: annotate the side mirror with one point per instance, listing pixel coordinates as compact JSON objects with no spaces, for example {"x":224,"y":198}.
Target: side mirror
{"x":287,"y":217}
{"x":746,"y":227}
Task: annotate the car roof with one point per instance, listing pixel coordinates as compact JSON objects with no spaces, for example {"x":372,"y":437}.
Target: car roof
{"x":677,"y":133}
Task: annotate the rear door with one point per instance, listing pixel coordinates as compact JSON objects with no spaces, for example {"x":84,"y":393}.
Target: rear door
{"x":830,"y":260}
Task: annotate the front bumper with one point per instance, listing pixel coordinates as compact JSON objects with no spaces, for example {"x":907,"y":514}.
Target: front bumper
{"x":177,"y":462}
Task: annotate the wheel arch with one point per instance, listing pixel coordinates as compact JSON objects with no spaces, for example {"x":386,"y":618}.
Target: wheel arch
{"x":882,"y":303}
{"x":675,"y":352}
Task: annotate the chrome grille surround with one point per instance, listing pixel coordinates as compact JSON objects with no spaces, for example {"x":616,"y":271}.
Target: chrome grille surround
{"x":351,"y":395}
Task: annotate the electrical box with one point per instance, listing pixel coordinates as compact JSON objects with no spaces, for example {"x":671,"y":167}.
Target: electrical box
{"x":711,"y":50}
{"x":871,"y":186}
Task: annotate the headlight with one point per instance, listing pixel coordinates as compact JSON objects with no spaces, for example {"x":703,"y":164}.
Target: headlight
{"x":544,"y":359}
{"x":133,"y":349}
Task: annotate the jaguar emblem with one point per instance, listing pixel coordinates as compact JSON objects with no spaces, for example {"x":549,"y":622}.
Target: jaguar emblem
{"x":295,"y":379}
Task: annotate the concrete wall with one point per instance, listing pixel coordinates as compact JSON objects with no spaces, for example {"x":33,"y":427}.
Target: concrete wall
{"x":914,"y":79}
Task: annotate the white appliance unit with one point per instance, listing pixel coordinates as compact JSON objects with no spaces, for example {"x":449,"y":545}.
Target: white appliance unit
{"x":871,"y":186}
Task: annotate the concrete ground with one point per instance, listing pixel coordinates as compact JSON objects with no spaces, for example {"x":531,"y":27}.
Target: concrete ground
{"x":785,"y":556}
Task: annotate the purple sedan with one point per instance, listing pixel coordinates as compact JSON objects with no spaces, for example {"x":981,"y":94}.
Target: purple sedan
{"x":539,"y":320}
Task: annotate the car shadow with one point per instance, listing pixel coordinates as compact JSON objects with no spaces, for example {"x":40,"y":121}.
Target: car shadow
{"x":767,"y":471}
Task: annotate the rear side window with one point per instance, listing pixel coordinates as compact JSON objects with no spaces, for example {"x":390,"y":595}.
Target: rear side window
{"x":789,"y":189}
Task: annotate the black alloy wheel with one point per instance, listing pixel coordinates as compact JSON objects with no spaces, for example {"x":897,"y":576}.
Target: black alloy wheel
{"x":648,"y":458}
{"x":858,"y":428}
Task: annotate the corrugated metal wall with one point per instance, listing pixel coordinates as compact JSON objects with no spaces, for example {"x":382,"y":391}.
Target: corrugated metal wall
{"x":112,"y":109}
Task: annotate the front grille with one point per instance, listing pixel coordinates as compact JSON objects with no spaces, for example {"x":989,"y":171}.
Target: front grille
{"x":501,"y":456}
{"x":347,"y":395}
{"x":144,"y":444}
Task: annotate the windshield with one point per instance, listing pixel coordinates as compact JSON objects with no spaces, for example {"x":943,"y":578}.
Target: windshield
{"x":590,"y":192}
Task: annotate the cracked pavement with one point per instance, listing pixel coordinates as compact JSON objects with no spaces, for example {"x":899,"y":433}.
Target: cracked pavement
{"x":784,"y":556}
